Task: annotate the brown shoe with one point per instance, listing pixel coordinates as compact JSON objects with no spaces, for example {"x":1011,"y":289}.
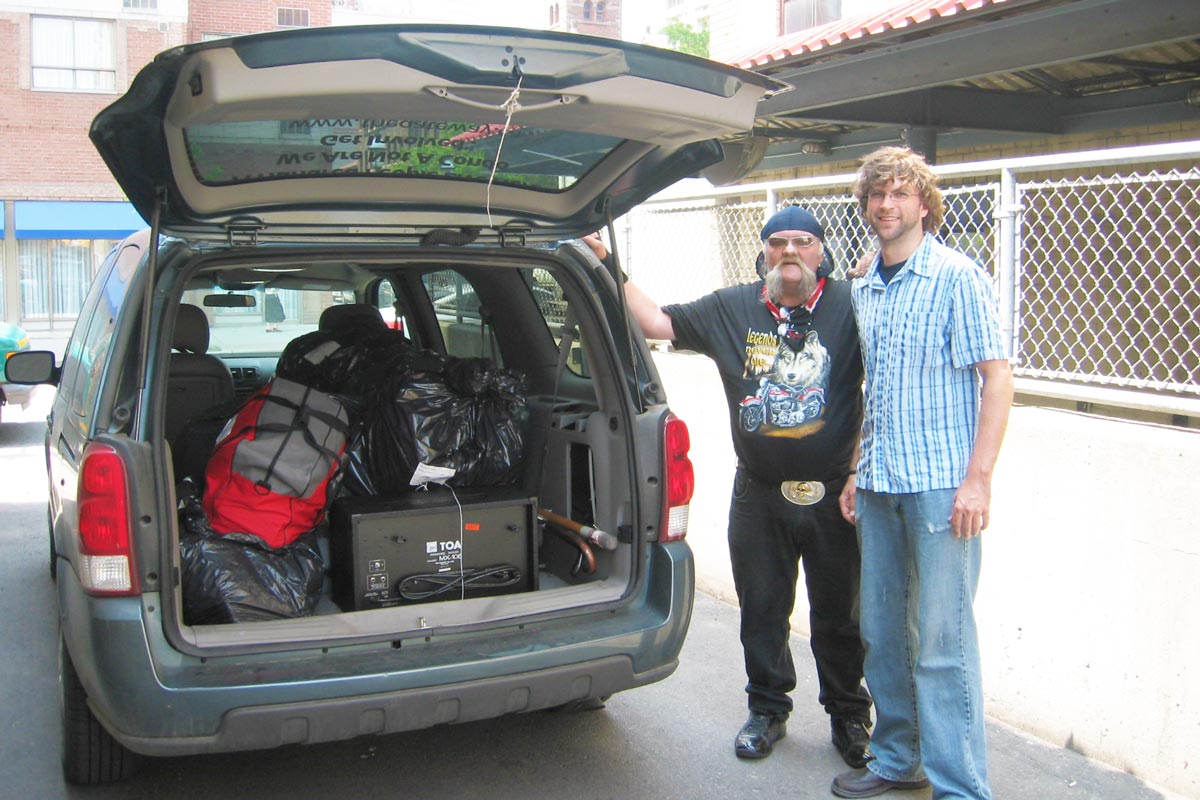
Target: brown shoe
{"x":864,"y":783}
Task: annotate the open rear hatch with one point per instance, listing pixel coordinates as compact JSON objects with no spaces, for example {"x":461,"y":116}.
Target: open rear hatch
{"x":401,"y":129}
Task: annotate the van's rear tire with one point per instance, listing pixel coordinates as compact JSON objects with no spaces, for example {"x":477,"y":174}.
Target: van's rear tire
{"x":90,"y":755}
{"x":53,"y":549}
{"x":583,"y":704}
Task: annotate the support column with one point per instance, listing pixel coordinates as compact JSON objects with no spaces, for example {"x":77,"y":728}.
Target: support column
{"x":11,"y":312}
{"x":923,"y":141}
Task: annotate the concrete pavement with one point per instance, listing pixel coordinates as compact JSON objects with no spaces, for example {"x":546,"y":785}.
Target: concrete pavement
{"x":1055,"y":666}
{"x":804,"y":763}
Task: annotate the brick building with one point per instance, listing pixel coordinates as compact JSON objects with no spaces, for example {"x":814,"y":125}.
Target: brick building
{"x":60,"y":63}
{"x":591,"y":17}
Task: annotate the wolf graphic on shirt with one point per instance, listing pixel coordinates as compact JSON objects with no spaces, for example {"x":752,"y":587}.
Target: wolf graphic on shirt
{"x":791,"y":387}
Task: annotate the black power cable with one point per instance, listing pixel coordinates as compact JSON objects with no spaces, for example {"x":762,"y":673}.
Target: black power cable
{"x":496,"y":576}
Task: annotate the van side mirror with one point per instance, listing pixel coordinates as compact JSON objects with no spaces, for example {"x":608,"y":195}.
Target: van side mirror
{"x":31,"y":367}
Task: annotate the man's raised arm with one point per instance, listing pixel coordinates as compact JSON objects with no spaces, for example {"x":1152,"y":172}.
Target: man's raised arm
{"x":655,"y":324}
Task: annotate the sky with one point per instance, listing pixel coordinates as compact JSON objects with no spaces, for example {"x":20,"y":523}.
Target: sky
{"x":534,"y":13}
{"x":511,"y":13}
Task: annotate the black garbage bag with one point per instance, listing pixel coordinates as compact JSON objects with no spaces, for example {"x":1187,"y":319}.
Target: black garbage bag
{"x":463,"y":414}
{"x":382,"y":453}
{"x":342,"y":361}
{"x":323,"y":360}
{"x":501,"y":419}
{"x":239,"y":578}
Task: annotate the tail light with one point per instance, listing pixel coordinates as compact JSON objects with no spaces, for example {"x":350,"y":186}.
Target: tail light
{"x":680,"y":479}
{"x":106,"y":565}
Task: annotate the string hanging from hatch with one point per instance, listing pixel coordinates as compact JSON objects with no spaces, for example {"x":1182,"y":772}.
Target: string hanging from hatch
{"x":510,"y":107}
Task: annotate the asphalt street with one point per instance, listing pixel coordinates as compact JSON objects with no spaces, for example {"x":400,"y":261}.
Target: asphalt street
{"x":669,"y":740}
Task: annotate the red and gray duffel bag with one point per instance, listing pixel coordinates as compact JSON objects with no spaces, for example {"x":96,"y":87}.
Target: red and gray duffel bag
{"x":271,"y":469}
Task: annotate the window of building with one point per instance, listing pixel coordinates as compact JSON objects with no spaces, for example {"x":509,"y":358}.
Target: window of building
{"x":139,"y":4}
{"x":291,"y":17}
{"x":73,"y":54}
{"x":587,"y":9}
{"x":799,"y":15}
{"x":599,"y":12}
{"x":55,"y":275}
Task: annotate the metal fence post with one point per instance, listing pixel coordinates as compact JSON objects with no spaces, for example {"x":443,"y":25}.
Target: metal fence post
{"x":1007,"y":210}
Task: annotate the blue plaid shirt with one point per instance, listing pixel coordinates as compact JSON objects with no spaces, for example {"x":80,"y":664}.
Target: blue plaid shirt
{"x":921,"y":336}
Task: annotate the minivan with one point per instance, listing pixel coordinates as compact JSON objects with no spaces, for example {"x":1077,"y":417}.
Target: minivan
{"x":439,"y":178}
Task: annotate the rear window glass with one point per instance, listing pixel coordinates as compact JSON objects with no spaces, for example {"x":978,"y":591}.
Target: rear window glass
{"x":533,"y":158}
{"x":263,"y":321}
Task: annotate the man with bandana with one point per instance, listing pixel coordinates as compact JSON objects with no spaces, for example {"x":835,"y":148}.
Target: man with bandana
{"x":786,"y":347}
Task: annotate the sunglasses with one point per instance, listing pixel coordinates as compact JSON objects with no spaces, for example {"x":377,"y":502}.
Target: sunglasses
{"x":798,"y":242}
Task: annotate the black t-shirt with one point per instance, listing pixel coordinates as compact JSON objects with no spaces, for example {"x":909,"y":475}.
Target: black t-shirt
{"x":889,"y":272}
{"x":794,"y":415}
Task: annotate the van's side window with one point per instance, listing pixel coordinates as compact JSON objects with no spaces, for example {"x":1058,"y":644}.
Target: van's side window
{"x":87,"y":353}
{"x":552,"y":304}
{"x":465,"y":323}
{"x":391,"y":308}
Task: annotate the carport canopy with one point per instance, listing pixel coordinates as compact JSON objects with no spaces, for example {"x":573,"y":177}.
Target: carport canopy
{"x":942,"y":74}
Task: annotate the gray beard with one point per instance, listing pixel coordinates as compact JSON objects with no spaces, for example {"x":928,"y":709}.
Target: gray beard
{"x":775,"y":285}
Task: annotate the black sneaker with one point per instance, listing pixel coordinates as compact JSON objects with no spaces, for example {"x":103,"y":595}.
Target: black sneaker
{"x":851,"y":739}
{"x":759,"y":735}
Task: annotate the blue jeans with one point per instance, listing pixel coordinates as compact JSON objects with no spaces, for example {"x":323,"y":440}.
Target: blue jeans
{"x":922,"y":652}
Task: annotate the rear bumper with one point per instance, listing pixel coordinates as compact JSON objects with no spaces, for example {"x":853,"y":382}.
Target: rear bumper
{"x":266,"y":726}
{"x":170,"y":703}
{"x":15,"y":394}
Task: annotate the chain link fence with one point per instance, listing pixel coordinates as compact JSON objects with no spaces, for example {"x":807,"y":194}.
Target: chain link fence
{"x":1109,"y":280}
{"x":1095,"y":266}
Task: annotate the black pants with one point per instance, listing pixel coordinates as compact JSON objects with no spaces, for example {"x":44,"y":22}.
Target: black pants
{"x":768,"y":537}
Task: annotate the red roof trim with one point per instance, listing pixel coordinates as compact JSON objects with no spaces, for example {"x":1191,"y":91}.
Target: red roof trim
{"x":896,"y":18}
{"x":485,"y":131}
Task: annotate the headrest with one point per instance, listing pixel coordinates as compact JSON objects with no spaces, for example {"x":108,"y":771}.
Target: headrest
{"x":355,"y":316}
{"x":191,"y":330}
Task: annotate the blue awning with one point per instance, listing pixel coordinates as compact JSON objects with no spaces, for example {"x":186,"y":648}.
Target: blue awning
{"x":66,"y":219}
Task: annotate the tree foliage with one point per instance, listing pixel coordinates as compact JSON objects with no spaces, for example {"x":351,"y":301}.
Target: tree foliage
{"x":686,"y":39}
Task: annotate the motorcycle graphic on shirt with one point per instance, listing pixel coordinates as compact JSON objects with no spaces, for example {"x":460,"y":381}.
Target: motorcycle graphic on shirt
{"x":792,"y":392}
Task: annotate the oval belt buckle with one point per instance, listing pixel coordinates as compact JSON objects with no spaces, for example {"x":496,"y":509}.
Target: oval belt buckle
{"x":802,"y":493}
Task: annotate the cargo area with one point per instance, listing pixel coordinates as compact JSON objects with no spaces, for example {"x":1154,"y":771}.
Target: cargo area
{"x":538,"y":519}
